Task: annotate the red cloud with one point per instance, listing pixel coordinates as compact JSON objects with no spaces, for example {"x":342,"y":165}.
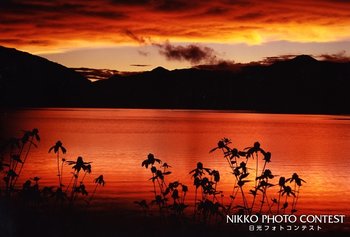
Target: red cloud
{"x":66,"y":23}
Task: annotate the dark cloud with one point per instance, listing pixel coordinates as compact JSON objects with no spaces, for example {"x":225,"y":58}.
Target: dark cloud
{"x":221,"y":65}
{"x":338,"y":57}
{"x":238,"y":2}
{"x":250,"y":16}
{"x":104,"y":14}
{"x":274,"y":59}
{"x":192,"y":53}
{"x":159,"y":5}
{"x":138,"y":39}
{"x":216,"y":11}
{"x":28,"y":7}
{"x":130,"y":2}
{"x":174,"y":5}
{"x":19,"y":41}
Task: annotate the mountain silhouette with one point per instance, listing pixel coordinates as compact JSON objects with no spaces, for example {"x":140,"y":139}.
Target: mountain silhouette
{"x":160,"y":70}
{"x":299,"y":85}
{"x":29,"y":80}
{"x":305,"y":59}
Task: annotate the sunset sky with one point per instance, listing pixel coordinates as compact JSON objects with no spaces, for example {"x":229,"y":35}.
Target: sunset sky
{"x":133,"y":35}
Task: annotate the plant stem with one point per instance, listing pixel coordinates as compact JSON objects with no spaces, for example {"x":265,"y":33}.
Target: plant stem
{"x":61,"y":176}
{"x":154,"y":187}
{"x":296,"y":200}
{"x":76,"y":176}
{"x":270,"y":207}
{"x":295,"y":188}
{"x":58,"y":168}
{"x":263,"y":200}
{"x":183,"y":197}
{"x":70,"y":182}
{"x":284,"y":210}
{"x":232,"y":167}
{"x":256,"y":169}
{"x":195,"y":204}
{"x":244,"y":200}
{"x":262,"y":172}
{"x":19,"y":155}
{"x":279,"y":200}
{"x":234,"y":196}
{"x":93,"y":194}
{"x":214,"y":191}
{"x":257,"y":184}
{"x":83,"y":177}
{"x":24,"y":160}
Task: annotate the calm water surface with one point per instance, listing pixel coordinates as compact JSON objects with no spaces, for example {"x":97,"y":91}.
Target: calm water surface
{"x":118,"y":140}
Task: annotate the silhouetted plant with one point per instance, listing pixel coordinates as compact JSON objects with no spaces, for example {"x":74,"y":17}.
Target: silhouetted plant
{"x":28,"y":137}
{"x":31,"y":194}
{"x":18,"y":147}
{"x":99,"y":181}
{"x":281,"y":183}
{"x":297,"y":184}
{"x":56,"y":149}
{"x":143,"y":205}
{"x":197,"y":174}
{"x":178,"y":194}
{"x":287,"y":190}
{"x":86,"y":171}
{"x":208,"y":205}
{"x":262,"y":181}
{"x":47,"y":193}
{"x":263,"y":185}
{"x":239,"y":170}
{"x":17,"y":152}
{"x":78,"y":165}
{"x":60,"y":196}
{"x":176,"y":190}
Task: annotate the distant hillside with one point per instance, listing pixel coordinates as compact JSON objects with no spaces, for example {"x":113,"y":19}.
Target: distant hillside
{"x":298,"y":85}
{"x":29,"y":80}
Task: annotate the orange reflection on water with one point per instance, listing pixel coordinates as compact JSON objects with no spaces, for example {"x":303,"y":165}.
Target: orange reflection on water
{"x":118,"y":140}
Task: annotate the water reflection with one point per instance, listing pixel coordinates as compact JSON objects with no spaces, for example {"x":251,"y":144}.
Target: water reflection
{"x":314,"y":146}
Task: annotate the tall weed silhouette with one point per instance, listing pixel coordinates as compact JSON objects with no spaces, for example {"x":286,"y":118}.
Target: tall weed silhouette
{"x":163,"y":190}
{"x":56,"y":149}
{"x":14,"y":153}
{"x":254,"y":186}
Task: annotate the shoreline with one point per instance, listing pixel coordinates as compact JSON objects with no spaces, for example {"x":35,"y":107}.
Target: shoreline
{"x":176,"y":109}
{"x":118,"y":221}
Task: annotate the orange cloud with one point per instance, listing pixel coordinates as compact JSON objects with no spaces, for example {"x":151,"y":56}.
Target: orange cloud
{"x":43,"y":26}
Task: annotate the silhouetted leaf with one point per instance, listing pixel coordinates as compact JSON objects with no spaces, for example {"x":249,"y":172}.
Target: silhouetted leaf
{"x":242,"y":182}
{"x":243,"y":176}
{"x":100,"y":180}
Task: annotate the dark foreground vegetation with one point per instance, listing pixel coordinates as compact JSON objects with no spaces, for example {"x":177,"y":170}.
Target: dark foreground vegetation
{"x":118,"y":222}
{"x":68,"y":209}
{"x":27,"y":206}
{"x":299,"y":85}
{"x":249,"y":166}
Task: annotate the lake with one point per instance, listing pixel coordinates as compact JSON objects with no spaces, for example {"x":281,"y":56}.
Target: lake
{"x":118,"y":140}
